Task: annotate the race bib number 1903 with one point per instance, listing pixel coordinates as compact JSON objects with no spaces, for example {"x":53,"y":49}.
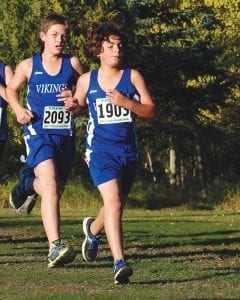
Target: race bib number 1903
{"x":56,"y":117}
{"x":109,"y":113}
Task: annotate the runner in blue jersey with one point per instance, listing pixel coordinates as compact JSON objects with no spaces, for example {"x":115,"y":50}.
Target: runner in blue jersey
{"x":6,"y":74}
{"x":114,"y":96}
{"x":48,"y":129}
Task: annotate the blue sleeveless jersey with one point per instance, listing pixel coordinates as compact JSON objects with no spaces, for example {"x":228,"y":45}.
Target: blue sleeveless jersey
{"x":3,"y":107}
{"x":50,"y":116}
{"x":110,"y":127}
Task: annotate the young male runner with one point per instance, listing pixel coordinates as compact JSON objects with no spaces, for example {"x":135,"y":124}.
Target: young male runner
{"x":114,"y":96}
{"x":48,"y":128}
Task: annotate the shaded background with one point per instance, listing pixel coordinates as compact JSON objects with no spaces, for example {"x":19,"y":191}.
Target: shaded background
{"x":188,"y":52}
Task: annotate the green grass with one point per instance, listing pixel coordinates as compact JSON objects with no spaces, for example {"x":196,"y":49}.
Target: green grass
{"x":174,"y":254}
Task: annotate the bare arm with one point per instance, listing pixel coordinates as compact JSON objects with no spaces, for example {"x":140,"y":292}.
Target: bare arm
{"x":76,"y":103}
{"x":145,"y":107}
{"x":8,"y":75}
{"x":77,"y":67}
{"x":20,"y":77}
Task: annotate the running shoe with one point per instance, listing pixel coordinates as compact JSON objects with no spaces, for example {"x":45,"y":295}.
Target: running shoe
{"x":59,"y":255}
{"x":20,"y":199}
{"x":28,"y":205}
{"x":122,"y":272}
{"x":91,"y":242}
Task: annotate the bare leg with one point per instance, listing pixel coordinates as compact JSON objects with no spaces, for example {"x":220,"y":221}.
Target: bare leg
{"x":112,"y":215}
{"x":98,"y":224}
{"x":45,"y":185}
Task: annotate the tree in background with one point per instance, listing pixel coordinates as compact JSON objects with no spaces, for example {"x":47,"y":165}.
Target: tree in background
{"x":188,"y":52}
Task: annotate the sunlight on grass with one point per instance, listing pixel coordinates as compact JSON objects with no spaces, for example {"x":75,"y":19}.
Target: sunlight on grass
{"x":174,"y":255}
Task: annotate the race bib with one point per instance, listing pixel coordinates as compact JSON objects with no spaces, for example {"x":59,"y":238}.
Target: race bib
{"x":1,"y":115}
{"x":56,"y":117}
{"x":108,"y":113}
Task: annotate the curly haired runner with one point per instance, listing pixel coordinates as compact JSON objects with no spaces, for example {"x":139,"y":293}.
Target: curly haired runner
{"x":113,"y":95}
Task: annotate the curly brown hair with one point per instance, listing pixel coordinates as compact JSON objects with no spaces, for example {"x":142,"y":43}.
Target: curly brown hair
{"x":101,"y":31}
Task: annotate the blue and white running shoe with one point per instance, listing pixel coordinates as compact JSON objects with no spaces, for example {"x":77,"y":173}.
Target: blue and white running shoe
{"x":122,"y":272}
{"x":91,"y":242}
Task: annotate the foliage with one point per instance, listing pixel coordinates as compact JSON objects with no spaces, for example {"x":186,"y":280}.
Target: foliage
{"x":188,"y":52}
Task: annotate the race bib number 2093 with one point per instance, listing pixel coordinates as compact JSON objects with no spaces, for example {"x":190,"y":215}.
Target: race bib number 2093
{"x":56,"y":117}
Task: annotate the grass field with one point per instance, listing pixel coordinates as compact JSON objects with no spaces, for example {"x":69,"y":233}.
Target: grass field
{"x":174,"y":254}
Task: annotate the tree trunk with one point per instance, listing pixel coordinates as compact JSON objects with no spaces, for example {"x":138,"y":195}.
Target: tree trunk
{"x":200,"y":171}
{"x":149,"y":161}
{"x":172,"y":166}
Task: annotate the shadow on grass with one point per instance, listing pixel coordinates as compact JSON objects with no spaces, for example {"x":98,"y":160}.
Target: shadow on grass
{"x":162,"y":235}
{"x":22,"y":221}
{"x":208,"y":245}
{"x":208,"y":242}
{"x":10,"y":240}
{"x":19,"y":262}
{"x":221,"y":253}
{"x":201,"y":278}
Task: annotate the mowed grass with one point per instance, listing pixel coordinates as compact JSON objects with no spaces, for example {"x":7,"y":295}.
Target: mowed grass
{"x":174,"y":255}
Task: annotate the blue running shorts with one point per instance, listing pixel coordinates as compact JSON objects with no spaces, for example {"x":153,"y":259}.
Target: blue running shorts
{"x":42,"y":147}
{"x":107,"y":166}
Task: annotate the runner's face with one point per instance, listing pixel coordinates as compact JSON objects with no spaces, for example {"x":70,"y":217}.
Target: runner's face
{"x":111,"y":52}
{"x":55,"y":38}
